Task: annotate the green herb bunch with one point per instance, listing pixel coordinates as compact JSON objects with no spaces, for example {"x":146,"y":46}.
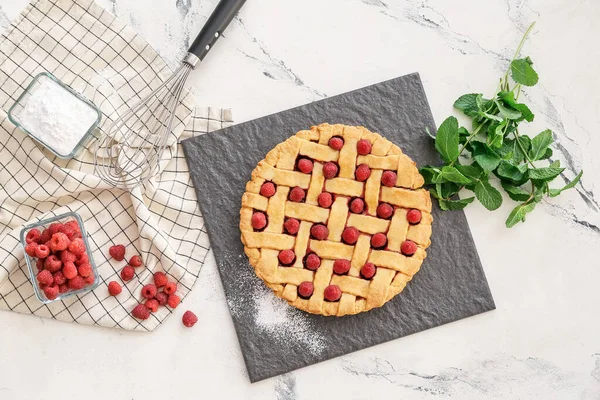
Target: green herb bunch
{"x":496,"y":146}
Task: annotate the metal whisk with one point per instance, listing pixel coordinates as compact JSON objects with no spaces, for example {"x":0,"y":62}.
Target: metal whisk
{"x":130,"y":152}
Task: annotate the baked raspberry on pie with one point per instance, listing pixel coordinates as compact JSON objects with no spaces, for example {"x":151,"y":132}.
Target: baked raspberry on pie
{"x":335,"y":221}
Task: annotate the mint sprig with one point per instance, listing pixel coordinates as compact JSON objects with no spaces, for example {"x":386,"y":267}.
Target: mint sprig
{"x":495,"y":147}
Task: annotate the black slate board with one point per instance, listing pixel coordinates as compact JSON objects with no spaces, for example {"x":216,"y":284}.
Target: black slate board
{"x":450,"y":285}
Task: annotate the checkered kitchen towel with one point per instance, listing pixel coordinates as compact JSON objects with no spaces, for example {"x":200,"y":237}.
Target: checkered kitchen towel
{"x":89,"y":49}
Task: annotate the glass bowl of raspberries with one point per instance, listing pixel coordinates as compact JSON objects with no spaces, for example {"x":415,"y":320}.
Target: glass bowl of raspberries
{"x":58,"y":257}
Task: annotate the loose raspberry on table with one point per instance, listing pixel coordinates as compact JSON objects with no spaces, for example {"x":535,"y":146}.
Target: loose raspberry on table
{"x":63,"y":288}
{"x":341,"y":266}
{"x":189,"y":319}
{"x":413,"y":216}
{"x":45,"y":277}
{"x":297,"y":194}
{"x":362,"y":173}
{"x":305,"y":165}
{"x":53,"y":264}
{"x":332,"y":293}
{"x":59,"y":242}
{"x":291,"y":226}
{"x":77,"y":246}
{"x":330,"y":170}
{"x":286,"y":257}
{"x":33,"y":236}
{"x":90,"y":279}
{"x":67,"y":256}
{"x":127,"y":273}
{"x":312,"y":262}
{"x":151,"y":305}
{"x":135,"y":261}
{"x":173,"y":301}
{"x":378,"y":240}
{"x":408,"y":247}
{"x":325,"y":199}
{"x":363,"y":147}
{"x":54,"y":228}
{"x":357,"y":205}
{"x":140,"y":312}
{"x":69,"y":270}
{"x":170,"y":288}
{"x":368,"y":270}
{"x":319,"y":232}
{"x":114,"y":288}
{"x":160,"y":279}
{"x":350,"y":235}
{"x":259,"y":220}
{"x":336,"y":143}
{"x":267,"y":189}
{"x":117,"y":252}
{"x":59,"y":278}
{"x":388,"y":178}
{"x":384,"y":210}
{"x":51,"y":292}
{"x":82,"y":259}
{"x":76,"y":283}
{"x":31,"y":249}
{"x":84,"y":270}
{"x":306,"y":289}
{"x":162,"y":298}
{"x":149,"y":291}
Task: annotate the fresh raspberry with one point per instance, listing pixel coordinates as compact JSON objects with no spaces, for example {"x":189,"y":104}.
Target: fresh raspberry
{"x":170,"y":288}
{"x":53,"y":264}
{"x":408,"y":247}
{"x":127,"y":273}
{"x":384,"y":211}
{"x":336,"y":143}
{"x":63,"y":288}
{"x":267,"y":189}
{"x":363,"y":147}
{"x":51,"y":292}
{"x":388,"y":178}
{"x":319,"y":232}
{"x":332,"y":293}
{"x":76,"y":283}
{"x":73,"y":226}
{"x":306,"y":289}
{"x":45,"y":277}
{"x":135,"y":261}
{"x":84,"y":270}
{"x":330,"y":170}
{"x":117,"y":252}
{"x":67,"y":256}
{"x":90,"y":279}
{"x":69,"y":231}
{"x":368,"y":270}
{"x":161,"y":298}
{"x":39,"y":264}
{"x":259,"y":220}
{"x":378,"y":241}
{"x":77,"y":246}
{"x":82,"y":259}
{"x":69,"y":270}
{"x":362,"y":173}
{"x":54,"y":228}
{"x":140,"y":312}
{"x":173,"y":301}
{"x":350,"y":235}
{"x":31,"y":249}
{"x":114,"y":288}
{"x":160,"y":279}
{"x":297,"y":194}
{"x":151,"y":305}
{"x":189,"y":319}
{"x":149,"y":291}
{"x":341,"y":267}
{"x":312,"y":262}
{"x":33,"y":236}
{"x":59,"y":278}
{"x":59,"y":242}
{"x":325,"y":199}
{"x":357,"y":205}
{"x":286,"y":257}
{"x":291,"y":226}
{"x":413,"y":216}
{"x":305,"y":165}
{"x":45,"y":237}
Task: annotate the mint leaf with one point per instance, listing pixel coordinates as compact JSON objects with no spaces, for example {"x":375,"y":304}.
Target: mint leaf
{"x":469,"y":104}
{"x":496,"y":134}
{"x":486,"y":157}
{"x":506,"y":112}
{"x":509,"y":99}
{"x":453,"y":175}
{"x":515,"y":192}
{"x":430,"y":174}
{"x":539,"y":145}
{"x":491,"y":117}
{"x":488,"y":195}
{"x":471,"y":171}
{"x":511,"y":172}
{"x":455,"y":204}
{"x":547,"y":154}
{"x":523,"y":72}
{"x":518,"y":214}
{"x":545,"y":174}
{"x":449,"y":189}
{"x":434,"y":192}
{"x":446,"y":140}
{"x":556,"y":192}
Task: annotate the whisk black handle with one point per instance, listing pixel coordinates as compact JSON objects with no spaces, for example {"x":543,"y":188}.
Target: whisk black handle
{"x":214,"y":27}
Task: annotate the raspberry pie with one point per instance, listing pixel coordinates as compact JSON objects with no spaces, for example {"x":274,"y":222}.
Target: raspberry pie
{"x":335,"y":221}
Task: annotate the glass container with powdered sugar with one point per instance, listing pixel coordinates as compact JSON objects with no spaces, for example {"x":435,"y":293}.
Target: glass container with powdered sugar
{"x":55,"y":115}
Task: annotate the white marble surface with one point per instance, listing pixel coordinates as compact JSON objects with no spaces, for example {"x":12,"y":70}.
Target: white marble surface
{"x":543,"y":341}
